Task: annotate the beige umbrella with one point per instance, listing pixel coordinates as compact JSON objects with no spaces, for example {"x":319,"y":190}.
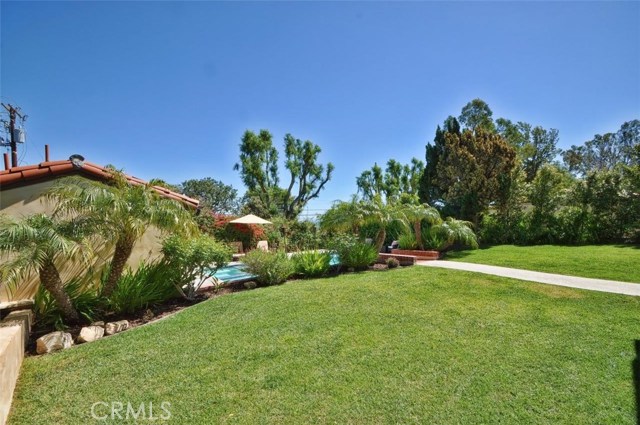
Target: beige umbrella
{"x":250,"y":219}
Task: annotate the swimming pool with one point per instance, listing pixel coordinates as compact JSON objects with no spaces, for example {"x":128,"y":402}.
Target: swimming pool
{"x":233,"y":273}
{"x":237,"y":272}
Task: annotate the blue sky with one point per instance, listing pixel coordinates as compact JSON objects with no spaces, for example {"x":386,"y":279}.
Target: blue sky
{"x":166,"y":89}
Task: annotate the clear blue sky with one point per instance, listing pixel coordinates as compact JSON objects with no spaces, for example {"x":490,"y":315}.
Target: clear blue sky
{"x":166,"y":89}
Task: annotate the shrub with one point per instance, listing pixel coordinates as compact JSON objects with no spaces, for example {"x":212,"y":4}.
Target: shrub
{"x":270,"y":268}
{"x":354,"y":253}
{"x":392,"y":263}
{"x":219,"y":226}
{"x":312,"y":263}
{"x":407,"y":241}
{"x":192,"y":261}
{"x":84,"y":299}
{"x":150,"y":285}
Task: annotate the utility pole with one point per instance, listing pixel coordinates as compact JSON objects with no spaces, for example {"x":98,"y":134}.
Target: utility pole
{"x":13,"y":112}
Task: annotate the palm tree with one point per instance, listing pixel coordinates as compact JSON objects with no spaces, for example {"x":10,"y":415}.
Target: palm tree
{"x":452,"y":231}
{"x":354,"y":214}
{"x":415,"y":214}
{"x":34,"y":244}
{"x":120,"y":211}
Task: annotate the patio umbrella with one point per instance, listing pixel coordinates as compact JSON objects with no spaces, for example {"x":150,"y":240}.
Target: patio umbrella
{"x":250,"y":219}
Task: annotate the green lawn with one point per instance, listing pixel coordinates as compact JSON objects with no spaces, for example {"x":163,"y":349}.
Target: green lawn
{"x":614,"y":262}
{"x":416,"y":345}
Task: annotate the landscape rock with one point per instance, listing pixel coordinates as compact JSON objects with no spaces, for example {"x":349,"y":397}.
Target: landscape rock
{"x":90,"y":333}
{"x":54,"y":341}
{"x":115,"y":327}
{"x":100,"y":323}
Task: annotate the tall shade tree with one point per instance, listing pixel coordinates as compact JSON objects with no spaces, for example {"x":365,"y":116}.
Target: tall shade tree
{"x":429,"y":192}
{"x":535,"y":146}
{"x":397,"y":180}
{"x":471,"y":168}
{"x":477,"y":115}
{"x":258,"y":167}
{"x":212,"y":194}
{"x":120,"y":211}
{"x":35,"y":244}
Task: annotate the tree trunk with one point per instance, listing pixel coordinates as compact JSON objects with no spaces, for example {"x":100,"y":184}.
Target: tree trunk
{"x":121,"y":255}
{"x":417,"y":229}
{"x":380,"y":237}
{"x":50,"y":279}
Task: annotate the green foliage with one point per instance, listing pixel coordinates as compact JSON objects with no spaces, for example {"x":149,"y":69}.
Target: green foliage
{"x":407,"y":241}
{"x":149,"y":285}
{"x":470,"y":170}
{"x":304,"y":236}
{"x":212,"y":194}
{"x":605,"y":152}
{"x":120,"y":212}
{"x":259,"y":170}
{"x":397,"y":180}
{"x":35,"y":244}
{"x":452,"y":231}
{"x":352,"y":216}
{"x":193,"y":260}
{"x":476,"y":115}
{"x":430,"y":192}
{"x":311,"y":263}
{"x":270,"y":268}
{"x":393,"y":263}
{"x":353,"y":253}
{"x":433,"y":240}
{"x":84,"y":299}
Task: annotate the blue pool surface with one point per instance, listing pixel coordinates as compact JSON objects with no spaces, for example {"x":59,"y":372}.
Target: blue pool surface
{"x":233,"y":273}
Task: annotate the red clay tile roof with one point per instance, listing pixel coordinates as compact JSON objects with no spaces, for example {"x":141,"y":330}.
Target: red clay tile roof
{"x":29,"y":174}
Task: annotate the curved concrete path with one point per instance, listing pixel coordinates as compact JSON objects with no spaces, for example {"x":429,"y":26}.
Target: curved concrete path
{"x":601,"y":285}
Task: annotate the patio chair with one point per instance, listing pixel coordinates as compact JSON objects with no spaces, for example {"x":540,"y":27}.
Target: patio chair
{"x":263,"y":245}
{"x":394,"y":245}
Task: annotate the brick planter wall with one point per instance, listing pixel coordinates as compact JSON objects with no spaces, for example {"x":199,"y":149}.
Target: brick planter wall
{"x":420,"y":255}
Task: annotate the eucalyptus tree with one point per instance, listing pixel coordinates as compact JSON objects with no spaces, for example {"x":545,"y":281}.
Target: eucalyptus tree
{"x":121,"y":212}
{"x":258,"y":168}
{"x":35,"y":244}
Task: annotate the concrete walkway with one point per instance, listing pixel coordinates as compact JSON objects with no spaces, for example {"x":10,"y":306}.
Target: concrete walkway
{"x":601,"y":285}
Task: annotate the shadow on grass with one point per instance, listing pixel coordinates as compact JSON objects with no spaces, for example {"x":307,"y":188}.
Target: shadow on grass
{"x":635,"y":366}
{"x":628,"y":246}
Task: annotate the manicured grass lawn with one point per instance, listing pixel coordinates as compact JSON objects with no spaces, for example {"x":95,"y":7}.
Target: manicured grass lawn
{"x":416,"y":345}
{"x":613,"y":262}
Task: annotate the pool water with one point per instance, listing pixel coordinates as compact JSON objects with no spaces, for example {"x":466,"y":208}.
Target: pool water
{"x":232,"y":273}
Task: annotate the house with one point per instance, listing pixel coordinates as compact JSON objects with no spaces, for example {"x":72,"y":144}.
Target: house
{"x":21,"y":194}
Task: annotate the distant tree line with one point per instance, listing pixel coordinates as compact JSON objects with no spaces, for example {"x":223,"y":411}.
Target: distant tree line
{"x":516,"y":186}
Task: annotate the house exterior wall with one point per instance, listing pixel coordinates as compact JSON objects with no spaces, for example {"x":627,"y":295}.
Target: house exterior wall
{"x":27,"y":200}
